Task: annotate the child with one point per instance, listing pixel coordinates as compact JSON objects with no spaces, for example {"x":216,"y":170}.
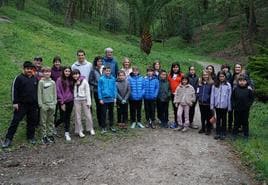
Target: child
{"x":221,"y":100}
{"x":151,"y":88}
{"x":47,"y":100}
{"x":127,"y":66}
{"x":238,"y":70}
{"x":174,"y":79}
{"x":157,"y":68}
{"x":136,"y":95}
{"x":65,"y":96}
{"x":242,"y":99}
{"x":163,"y":99}
{"x":56,"y":72}
{"x":203,"y":97}
{"x":94,"y":77}
{"x":82,"y":102}
{"x":107,"y":97}
{"x":184,"y":98}
{"x":226,"y":69}
{"x":24,"y":100}
{"x":123,"y":92}
{"x":193,"y":81}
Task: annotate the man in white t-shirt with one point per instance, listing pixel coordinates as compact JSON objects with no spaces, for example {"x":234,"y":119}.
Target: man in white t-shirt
{"x":82,"y":64}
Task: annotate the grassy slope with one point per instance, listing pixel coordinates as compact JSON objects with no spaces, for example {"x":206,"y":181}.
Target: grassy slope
{"x":34,"y":33}
{"x":30,"y":34}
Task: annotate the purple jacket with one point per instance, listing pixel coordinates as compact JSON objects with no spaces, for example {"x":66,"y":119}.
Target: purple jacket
{"x":221,"y":96}
{"x":64,"y":95}
{"x":55,"y":73}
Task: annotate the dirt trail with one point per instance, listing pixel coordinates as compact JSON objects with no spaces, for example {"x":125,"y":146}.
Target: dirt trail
{"x":160,"y":156}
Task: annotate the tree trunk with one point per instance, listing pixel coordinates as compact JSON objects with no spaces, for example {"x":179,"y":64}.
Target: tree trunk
{"x":252,"y":26}
{"x":146,"y":41}
{"x":242,"y":36}
{"x":20,"y":4}
{"x":70,"y":13}
{"x":132,"y":20}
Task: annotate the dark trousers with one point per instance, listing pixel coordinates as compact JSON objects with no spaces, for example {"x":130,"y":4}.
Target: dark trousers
{"x":149,"y":106}
{"x":191,"y":113}
{"x":66,"y":115}
{"x":107,"y":107}
{"x":122,"y":113}
{"x":162,"y":110}
{"x":230,"y":120}
{"x":206,"y":114}
{"x":241,"y":119}
{"x":31,"y":112}
{"x":221,"y":121}
{"x":135,"y":110}
{"x":175,"y":109}
{"x":56,"y":120}
{"x":98,"y":107}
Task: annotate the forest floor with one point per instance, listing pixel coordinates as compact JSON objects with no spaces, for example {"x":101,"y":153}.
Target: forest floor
{"x":160,"y":156}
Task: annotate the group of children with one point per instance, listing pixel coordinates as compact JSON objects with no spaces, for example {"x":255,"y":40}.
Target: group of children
{"x":40,"y":92}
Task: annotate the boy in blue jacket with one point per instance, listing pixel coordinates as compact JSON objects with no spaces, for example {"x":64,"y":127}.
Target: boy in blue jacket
{"x":151,"y":88}
{"x":107,"y":97}
{"x":136,"y":95}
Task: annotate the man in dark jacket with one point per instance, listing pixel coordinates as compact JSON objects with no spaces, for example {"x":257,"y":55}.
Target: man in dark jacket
{"x":24,"y":97}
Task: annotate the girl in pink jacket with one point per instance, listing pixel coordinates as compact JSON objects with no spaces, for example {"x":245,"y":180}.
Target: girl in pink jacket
{"x":184,"y":98}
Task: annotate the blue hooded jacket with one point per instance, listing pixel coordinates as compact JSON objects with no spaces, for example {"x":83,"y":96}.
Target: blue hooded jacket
{"x":107,"y":89}
{"x":136,"y":86}
{"x":151,"y":88}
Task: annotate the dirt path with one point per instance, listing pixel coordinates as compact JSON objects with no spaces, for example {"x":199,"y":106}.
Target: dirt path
{"x":160,"y":156}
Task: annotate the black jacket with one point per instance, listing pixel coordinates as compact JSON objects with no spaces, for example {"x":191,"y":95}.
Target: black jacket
{"x":242,"y":98}
{"x":24,"y":89}
{"x":193,"y":80}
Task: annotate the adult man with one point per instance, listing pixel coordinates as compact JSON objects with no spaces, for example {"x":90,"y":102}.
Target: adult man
{"x":82,"y":64}
{"x":24,"y":98}
{"x":38,"y":66}
{"x":108,"y":60}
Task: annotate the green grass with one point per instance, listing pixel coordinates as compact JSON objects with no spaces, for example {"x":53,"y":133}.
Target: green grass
{"x":254,"y":152}
{"x":34,"y":33}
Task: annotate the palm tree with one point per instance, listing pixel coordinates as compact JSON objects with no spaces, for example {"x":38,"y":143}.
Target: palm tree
{"x":147,"y":11}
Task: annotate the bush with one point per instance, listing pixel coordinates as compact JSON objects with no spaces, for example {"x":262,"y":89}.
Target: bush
{"x":258,"y":67}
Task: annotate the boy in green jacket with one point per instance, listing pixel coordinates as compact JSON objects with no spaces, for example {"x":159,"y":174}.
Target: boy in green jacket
{"x":47,"y":99}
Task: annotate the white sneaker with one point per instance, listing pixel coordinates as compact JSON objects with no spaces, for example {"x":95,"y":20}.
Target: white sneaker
{"x":140,"y":125}
{"x":133,"y":125}
{"x":67,"y":136}
{"x":92,"y":132}
{"x":81,"y":134}
{"x":185,"y":129}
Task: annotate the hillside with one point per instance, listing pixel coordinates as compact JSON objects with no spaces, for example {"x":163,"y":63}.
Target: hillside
{"x":28,"y":33}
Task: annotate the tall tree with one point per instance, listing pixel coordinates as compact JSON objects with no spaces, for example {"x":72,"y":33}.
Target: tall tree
{"x":147,"y":11}
{"x":70,"y":13}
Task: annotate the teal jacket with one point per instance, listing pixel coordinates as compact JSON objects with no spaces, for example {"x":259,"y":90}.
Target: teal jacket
{"x":107,"y":89}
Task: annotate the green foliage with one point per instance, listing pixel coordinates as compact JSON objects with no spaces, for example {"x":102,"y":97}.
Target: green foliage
{"x":258,"y":67}
{"x":254,"y":152}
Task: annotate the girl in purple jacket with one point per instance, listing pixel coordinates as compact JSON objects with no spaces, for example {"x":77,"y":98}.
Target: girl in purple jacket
{"x":65,"y":97}
{"x":220,"y":100}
